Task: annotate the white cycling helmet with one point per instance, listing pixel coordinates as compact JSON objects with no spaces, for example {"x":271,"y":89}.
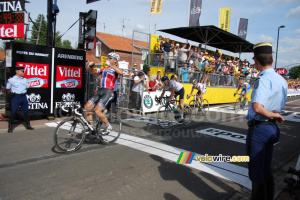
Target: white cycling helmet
{"x":114,"y":55}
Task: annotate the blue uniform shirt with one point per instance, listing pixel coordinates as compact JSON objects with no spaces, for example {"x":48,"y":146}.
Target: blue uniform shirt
{"x":270,"y":90}
{"x":17,"y":85}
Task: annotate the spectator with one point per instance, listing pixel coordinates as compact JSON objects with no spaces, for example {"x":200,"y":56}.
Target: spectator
{"x":159,"y":83}
{"x":184,"y":73}
{"x":183,"y":53}
{"x":166,"y":48}
{"x":153,"y":83}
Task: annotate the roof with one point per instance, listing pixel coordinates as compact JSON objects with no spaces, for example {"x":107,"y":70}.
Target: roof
{"x":121,"y":43}
{"x":91,"y":58}
{"x":212,"y":36}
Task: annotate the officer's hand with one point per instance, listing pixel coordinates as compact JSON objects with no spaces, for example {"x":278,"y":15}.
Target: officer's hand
{"x":278,"y":117}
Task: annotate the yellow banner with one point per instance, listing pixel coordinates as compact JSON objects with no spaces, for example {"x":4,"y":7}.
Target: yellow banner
{"x":224,"y":22}
{"x":156,"y":6}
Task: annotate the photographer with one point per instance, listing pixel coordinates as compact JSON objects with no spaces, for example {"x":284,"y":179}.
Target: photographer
{"x":137,"y":90}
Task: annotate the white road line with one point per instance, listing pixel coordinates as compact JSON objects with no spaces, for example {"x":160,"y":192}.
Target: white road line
{"x":224,"y":170}
{"x":228,"y":135}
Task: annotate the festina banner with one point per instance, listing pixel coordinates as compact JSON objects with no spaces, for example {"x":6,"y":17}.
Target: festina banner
{"x":37,"y":69}
{"x":243,"y":25}
{"x":156,"y":6}
{"x":224,"y":22}
{"x":195,"y":11}
{"x":12,"y":6}
{"x":68,"y":84}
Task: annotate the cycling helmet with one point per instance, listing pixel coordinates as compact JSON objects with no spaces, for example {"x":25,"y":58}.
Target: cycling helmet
{"x":114,"y":55}
{"x":173,"y":76}
{"x":194,"y":81}
{"x":164,"y":78}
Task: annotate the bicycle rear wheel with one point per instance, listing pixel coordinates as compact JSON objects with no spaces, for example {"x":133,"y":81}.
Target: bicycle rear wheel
{"x":107,"y":137}
{"x":164,"y":116}
{"x":205,"y":107}
{"x":69,"y":134}
{"x":195,"y":109}
{"x":237,"y":105}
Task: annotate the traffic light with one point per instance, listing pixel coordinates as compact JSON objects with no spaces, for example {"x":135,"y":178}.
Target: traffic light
{"x":90,"y":23}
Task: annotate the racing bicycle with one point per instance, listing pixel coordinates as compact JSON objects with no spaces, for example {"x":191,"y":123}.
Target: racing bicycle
{"x":167,"y":116}
{"x":241,"y":103}
{"x":196,"y":107}
{"x":69,"y":135}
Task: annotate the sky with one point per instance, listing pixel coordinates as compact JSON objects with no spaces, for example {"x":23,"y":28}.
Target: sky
{"x":264,"y":18}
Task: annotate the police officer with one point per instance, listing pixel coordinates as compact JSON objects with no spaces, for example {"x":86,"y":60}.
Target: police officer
{"x":267,"y":100}
{"x":18,"y":85}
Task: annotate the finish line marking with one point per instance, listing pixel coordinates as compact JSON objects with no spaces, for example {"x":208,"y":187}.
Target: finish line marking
{"x":223,"y":170}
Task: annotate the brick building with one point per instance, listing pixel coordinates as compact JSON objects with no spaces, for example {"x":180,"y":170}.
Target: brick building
{"x":106,"y":43}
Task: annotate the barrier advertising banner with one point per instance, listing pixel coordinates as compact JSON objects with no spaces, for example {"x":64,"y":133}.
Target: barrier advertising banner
{"x":36,"y":61}
{"x":55,"y":76}
{"x":68,"y":83}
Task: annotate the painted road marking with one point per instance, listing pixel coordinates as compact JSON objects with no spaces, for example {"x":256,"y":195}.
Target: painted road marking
{"x":227,"y":135}
{"x":287,"y":115}
{"x":223,"y":170}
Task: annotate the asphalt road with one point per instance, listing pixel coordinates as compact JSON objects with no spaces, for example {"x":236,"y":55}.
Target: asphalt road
{"x":142,"y":164}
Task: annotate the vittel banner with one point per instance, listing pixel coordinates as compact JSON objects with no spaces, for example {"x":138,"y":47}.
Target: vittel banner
{"x":68,"y":86}
{"x":37,"y":61}
{"x":68,"y":77}
{"x":36,"y":74}
{"x":55,"y":76}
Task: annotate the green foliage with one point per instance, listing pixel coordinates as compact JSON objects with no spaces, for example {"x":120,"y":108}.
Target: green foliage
{"x":43,"y":35}
{"x":295,"y":72}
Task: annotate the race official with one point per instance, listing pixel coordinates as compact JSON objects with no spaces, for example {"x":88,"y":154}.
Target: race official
{"x":18,"y":86}
{"x":268,"y":98}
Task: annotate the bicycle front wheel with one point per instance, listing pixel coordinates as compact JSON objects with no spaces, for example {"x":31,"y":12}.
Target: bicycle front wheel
{"x":237,"y":105}
{"x":107,"y":137}
{"x":195,"y":109}
{"x":69,"y":135}
{"x":187,"y":114}
{"x":205,"y":107}
{"x":164,"y":116}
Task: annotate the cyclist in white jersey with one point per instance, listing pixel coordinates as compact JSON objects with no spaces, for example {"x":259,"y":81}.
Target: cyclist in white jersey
{"x":176,"y":89}
{"x":201,"y":90}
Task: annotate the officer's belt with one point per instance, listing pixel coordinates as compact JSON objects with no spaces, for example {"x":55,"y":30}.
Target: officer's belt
{"x":19,"y":94}
{"x":253,"y":123}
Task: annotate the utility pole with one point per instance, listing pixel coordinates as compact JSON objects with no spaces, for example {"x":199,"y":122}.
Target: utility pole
{"x":49,"y":23}
{"x":123,"y":27}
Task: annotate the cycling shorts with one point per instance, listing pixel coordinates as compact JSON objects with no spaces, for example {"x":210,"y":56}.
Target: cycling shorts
{"x":180,"y":93}
{"x":199,"y":92}
{"x":103,"y":97}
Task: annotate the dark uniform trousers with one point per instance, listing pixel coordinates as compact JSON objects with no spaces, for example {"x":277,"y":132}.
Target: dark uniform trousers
{"x":19,"y":100}
{"x":259,"y":146}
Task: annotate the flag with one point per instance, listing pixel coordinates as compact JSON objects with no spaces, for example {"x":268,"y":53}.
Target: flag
{"x":243,"y":25}
{"x":195,"y":11}
{"x":156,"y":6}
{"x":224,"y":18}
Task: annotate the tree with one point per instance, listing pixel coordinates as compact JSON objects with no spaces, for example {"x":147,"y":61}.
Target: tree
{"x":43,"y":35}
{"x":295,"y":72}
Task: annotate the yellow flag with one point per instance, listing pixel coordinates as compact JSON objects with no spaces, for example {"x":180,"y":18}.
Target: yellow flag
{"x":156,"y":6}
{"x":224,"y":22}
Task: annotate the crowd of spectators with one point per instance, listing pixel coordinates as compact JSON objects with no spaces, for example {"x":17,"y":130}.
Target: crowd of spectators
{"x":193,"y":62}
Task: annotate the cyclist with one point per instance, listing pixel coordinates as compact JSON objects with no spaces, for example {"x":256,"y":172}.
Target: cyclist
{"x":176,"y":89}
{"x":201,"y":90}
{"x":245,"y":89}
{"x":105,"y":94}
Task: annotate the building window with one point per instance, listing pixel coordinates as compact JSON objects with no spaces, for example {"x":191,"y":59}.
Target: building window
{"x":98,"y":49}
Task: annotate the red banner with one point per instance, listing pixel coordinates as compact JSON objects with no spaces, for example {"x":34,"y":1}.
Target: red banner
{"x":37,"y":74}
{"x":11,"y":30}
{"x":281,"y":71}
{"x":68,"y":77}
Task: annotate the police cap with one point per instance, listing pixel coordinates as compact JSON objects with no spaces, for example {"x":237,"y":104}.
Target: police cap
{"x":262,"y":48}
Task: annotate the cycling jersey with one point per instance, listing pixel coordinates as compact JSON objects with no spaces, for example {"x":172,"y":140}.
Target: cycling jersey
{"x":178,"y":86}
{"x":246,"y":86}
{"x":108,"y":78}
{"x":199,"y":86}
